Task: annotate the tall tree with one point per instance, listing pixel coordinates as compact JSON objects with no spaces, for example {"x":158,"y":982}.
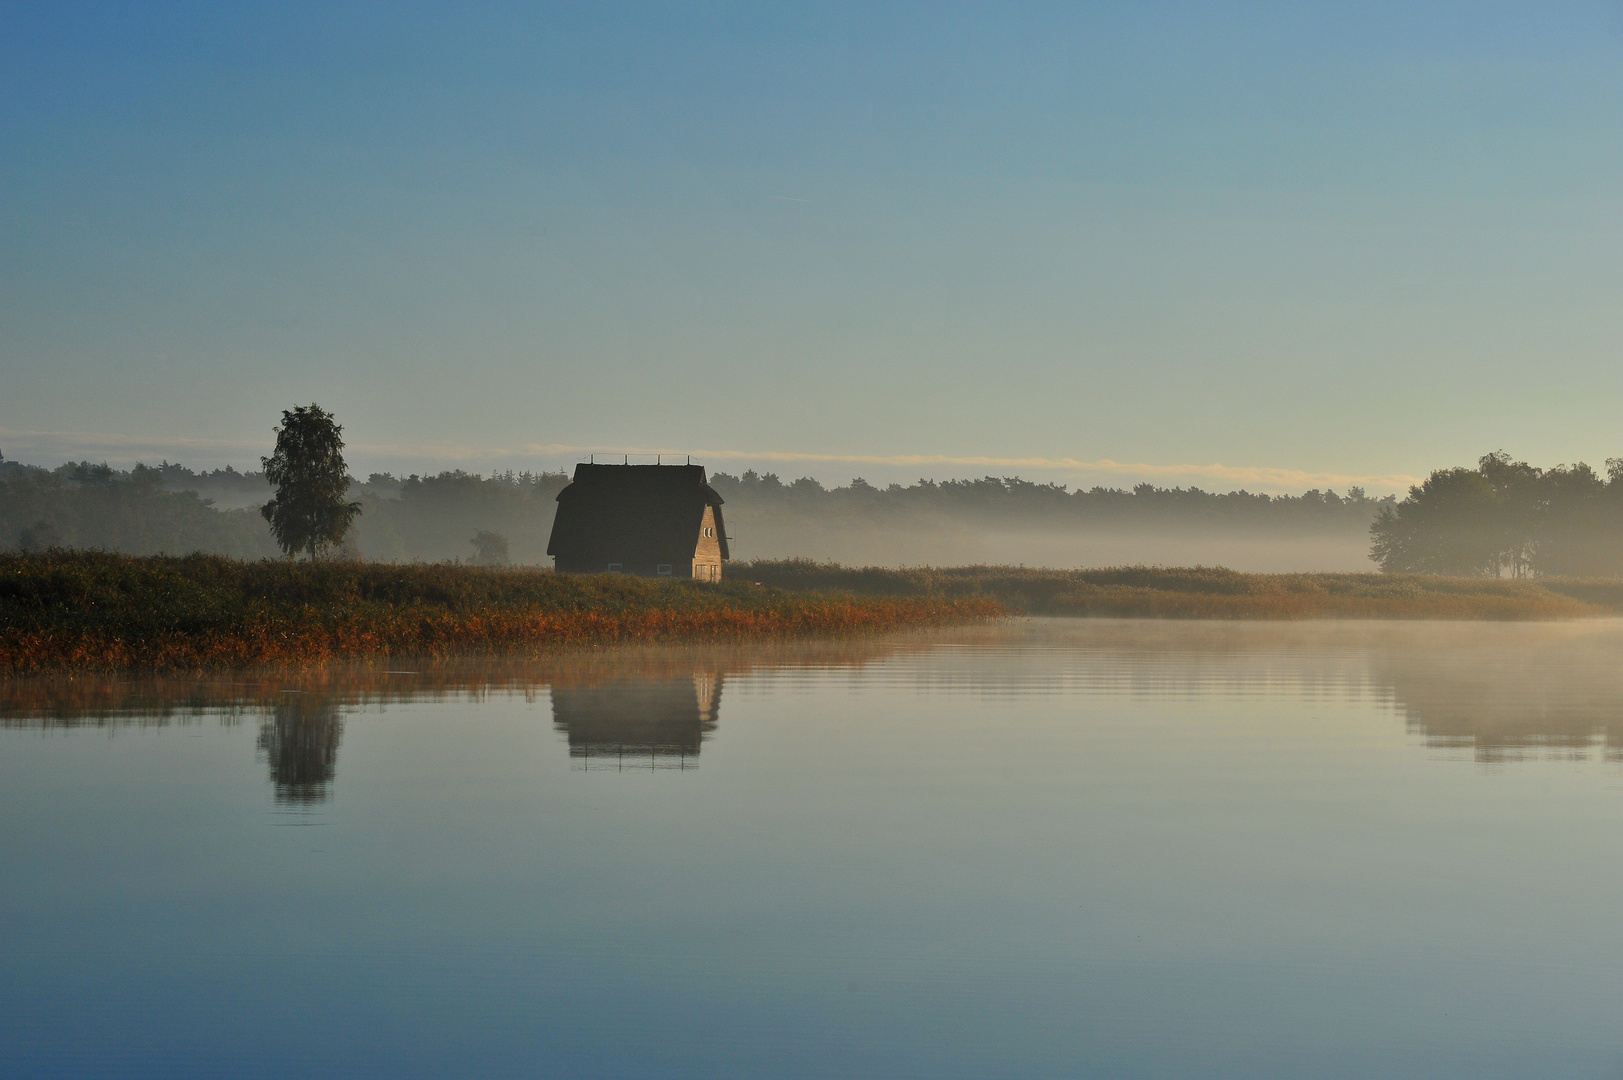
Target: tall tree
{"x":308,"y":512}
{"x":1522,"y":507}
{"x":1452,"y":524}
{"x":1578,"y":530}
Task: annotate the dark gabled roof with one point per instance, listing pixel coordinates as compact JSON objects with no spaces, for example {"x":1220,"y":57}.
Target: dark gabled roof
{"x":650,"y":512}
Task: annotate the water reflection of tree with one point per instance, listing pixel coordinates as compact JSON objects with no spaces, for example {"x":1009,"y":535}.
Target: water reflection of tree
{"x":1502,"y":708}
{"x":649,"y":706}
{"x":638,"y":720}
{"x":157,"y":700}
{"x":1502,"y":691}
{"x":299,"y":739}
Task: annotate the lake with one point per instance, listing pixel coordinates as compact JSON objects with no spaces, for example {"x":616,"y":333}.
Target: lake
{"x":1043,"y":848}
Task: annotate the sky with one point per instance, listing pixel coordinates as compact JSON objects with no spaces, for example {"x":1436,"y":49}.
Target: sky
{"x":1233,"y":245}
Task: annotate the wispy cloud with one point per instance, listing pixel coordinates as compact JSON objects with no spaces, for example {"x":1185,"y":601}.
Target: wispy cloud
{"x":1248,"y":475}
{"x":1258,"y":477}
{"x":1261,"y":478}
{"x":82,"y":444}
{"x":53,"y":446}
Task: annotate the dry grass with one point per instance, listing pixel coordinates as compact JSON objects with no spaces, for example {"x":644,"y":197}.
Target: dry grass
{"x":95,"y":611}
{"x":1208,"y":593}
{"x":78,"y":611}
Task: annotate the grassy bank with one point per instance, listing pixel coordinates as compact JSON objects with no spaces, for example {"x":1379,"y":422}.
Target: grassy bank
{"x":94,"y":611}
{"x":1206,"y":593}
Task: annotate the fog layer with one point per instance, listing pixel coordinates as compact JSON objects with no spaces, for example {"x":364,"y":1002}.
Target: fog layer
{"x":173,"y":509}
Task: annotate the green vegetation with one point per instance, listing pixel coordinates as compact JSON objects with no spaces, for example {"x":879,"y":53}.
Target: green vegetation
{"x":1010,"y":498}
{"x":1506,"y":517}
{"x":82,"y":505}
{"x":91,"y":610}
{"x":1007,"y":519}
{"x":1503,"y":518}
{"x":170,"y":509}
{"x":1206,"y":593}
{"x":86,"y":610}
{"x":308,"y":513}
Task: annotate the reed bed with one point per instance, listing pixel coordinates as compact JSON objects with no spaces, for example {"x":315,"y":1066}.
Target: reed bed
{"x":1208,"y":592}
{"x":93,"y":611}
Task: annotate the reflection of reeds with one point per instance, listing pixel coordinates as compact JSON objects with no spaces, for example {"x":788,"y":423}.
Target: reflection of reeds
{"x":154,"y":699}
{"x":1208,"y":593}
{"x":1502,"y":690}
{"x":88,"y":610}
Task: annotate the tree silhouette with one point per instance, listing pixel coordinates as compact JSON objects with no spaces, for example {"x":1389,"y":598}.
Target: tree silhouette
{"x":300,"y":741}
{"x":1454,"y":523}
{"x":490,"y":548}
{"x":308,"y":513}
{"x":1506,"y":516}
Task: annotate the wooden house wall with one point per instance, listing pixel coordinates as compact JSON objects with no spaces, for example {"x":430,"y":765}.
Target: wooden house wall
{"x":706,"y":564}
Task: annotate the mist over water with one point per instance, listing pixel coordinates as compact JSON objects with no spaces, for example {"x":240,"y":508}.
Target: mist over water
{"x":957,"y":543}
{"x":1034,"y":848}
{"x":1278,"y":324}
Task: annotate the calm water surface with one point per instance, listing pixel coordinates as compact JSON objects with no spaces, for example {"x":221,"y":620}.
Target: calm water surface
{"x":1050,"y":848}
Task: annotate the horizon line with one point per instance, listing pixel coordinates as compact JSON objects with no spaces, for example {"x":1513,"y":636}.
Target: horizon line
{"x":454,"y":453}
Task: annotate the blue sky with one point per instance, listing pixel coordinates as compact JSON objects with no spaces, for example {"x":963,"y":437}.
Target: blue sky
{"x":1272,"y":246}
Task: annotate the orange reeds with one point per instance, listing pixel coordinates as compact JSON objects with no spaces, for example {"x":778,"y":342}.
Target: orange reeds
{"x":95,"y":611}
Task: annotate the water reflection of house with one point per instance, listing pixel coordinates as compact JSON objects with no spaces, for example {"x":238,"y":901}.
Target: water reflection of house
{"x":644,"y":723}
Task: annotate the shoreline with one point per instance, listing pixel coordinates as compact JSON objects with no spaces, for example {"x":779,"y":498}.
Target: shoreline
{"x":1213,"y":593}
{"x":63,"y":612}
{"x":66,"y":612}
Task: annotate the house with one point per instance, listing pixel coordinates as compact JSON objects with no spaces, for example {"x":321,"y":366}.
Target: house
{"x":656,"y":520}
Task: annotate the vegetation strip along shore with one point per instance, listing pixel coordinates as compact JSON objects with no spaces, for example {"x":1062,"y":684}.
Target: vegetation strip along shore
{"x":1207,"y":592}
{"x":95,"y":611}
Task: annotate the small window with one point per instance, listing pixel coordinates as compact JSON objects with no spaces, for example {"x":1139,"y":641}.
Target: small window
{"x":615,"y":568}
{"x":663,"y":569}
{"x":709,"y":532}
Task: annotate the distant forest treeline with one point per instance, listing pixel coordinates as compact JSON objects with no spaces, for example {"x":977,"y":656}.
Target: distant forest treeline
{"x":1505,"y":517}
{"x":1007,"y":520}
{"x":170,"y":508}
{"x":1029,"y":502}
{"x":151,"y":510}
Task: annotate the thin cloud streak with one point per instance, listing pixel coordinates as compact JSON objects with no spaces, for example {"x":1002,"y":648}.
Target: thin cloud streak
{"x":78,"y":444}
{"x":1261,"y":476}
